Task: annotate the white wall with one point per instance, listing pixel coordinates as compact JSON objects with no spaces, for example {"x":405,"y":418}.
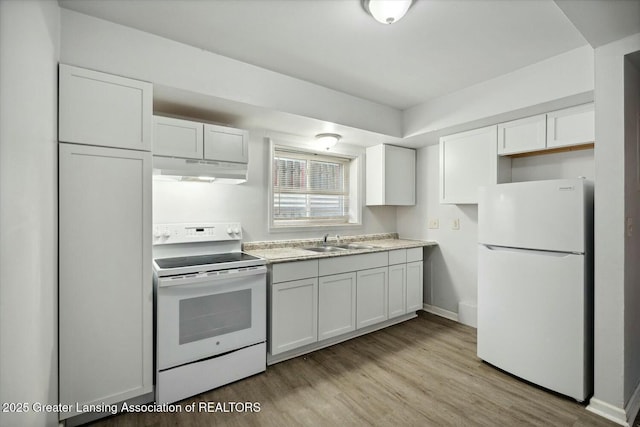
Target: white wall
{"x":559,"y":165}
{"x":632,"y":240}
{"x":248,"y":202}
{"x":566,"y":75}
{"x":609,"y":293}
{"x":29,"y":47}
{"x":451,"y":268}
{"x":97,"y":44}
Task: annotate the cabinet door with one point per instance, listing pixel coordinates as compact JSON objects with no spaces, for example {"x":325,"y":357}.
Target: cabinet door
{"x":371,"y":296}
{"x":414,"y":286}
{"x":226,"y":144}
{"x":397,"y":290}
{"x":519,"y":136}
{"x":105,"y":283}
{"x":294,"y":314}
{"x":400,"y":176}
{"x":571,"y":126}
{"x":177,"y":138}
{"x":101,"y":109}
{"x":390,"y":176}
{"x":468,"y":160}
{"x":336,"y":305}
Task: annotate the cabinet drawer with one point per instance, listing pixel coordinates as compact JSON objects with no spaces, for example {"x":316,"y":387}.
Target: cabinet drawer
{"x":414,"y":254}
{"x":297,"y":270}
{"x":177,"y":138}
{"x":399,"y":256}
{"x":345,"y":264}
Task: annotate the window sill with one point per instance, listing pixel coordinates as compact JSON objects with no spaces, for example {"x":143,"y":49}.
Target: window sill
{"x":302,"y":227}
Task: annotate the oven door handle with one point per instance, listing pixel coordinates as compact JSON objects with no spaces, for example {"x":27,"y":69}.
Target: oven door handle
{"x":194,"y":279}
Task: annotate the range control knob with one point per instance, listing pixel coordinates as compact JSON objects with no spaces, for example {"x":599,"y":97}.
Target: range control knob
{"x":157,"y":234}
{"x":229,"y":230}
{"x":236,"y":230}
{"x":166,"y":233}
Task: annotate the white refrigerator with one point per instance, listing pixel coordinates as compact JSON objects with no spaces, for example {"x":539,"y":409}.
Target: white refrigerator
{"x":535,"y":282}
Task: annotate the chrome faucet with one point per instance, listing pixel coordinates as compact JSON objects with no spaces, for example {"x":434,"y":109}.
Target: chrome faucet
{"x":324,"y":239}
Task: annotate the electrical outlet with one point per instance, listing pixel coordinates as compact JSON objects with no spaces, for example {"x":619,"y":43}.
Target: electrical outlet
{"x":434,"y":223}
{"x":455,"y":224}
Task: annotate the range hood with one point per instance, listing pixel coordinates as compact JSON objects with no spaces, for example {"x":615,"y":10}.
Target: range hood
{"x":200,"y":170}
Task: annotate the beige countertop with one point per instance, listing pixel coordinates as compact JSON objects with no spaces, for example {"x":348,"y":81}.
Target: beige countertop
{"x":275,"y":252}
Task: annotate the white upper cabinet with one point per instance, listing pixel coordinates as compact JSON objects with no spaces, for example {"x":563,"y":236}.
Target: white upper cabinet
{"x":102,"y":109}
{"x":519,"y":136}
{"x":571,"y":126}
{"x":562,"y":128}
{"x":391,"y":176}
{"x":226,"y":144}
{"x":469,"y":160}
{"x":195,"y":140}
{"x":177,"y":138}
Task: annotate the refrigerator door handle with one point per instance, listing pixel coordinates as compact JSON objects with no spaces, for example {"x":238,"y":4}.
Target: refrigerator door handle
{"x":556,"y":254}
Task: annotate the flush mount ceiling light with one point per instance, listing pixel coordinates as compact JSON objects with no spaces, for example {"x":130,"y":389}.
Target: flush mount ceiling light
{"x":387,"y":11}
{"x":327,"y":140}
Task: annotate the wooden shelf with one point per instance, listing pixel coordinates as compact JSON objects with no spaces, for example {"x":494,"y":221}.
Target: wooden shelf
{"x":554,"y":150}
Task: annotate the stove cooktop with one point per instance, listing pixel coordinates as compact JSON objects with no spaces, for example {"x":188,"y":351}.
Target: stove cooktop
{"x":196,"y":260}
{"x":193,"y":264}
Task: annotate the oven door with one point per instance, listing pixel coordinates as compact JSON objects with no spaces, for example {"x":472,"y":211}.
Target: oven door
{"x":203,"y":315}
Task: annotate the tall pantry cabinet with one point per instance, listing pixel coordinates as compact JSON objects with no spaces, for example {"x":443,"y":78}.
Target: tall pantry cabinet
{"x":105,"y":284}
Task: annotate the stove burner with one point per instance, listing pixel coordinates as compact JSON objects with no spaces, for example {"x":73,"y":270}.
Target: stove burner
{"x":190,"y":261}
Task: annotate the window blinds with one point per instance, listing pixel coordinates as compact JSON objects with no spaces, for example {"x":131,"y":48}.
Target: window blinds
{"x":308,"y":187}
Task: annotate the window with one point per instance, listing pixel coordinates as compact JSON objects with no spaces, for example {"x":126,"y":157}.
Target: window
{"x":310,"y":189}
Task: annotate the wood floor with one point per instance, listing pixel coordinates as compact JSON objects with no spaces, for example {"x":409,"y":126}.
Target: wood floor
{"x":423,"y":372}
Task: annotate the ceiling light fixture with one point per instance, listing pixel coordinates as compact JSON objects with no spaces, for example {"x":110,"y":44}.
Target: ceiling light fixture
{"x":387,"y":11}
{"x":327,"y":140}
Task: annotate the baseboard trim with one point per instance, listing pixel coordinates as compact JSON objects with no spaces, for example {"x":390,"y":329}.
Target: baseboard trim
{"x":633,"y":406}
{"x":440,"y":312}
{"x":608,"y":411}
{"x":281,"y":357}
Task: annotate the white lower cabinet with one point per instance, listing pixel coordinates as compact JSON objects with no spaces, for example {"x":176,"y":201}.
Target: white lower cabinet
{"x":397,"y":290}
{"x":316,"y":300}
{"x":336,"y":305}
{"x":414,"y":286}
{"x":371,"y":296}
{"x":294,"y":314}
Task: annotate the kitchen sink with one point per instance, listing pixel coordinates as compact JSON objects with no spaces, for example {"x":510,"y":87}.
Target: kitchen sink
{"x":325,"y":249}
{"x":355,"y":246}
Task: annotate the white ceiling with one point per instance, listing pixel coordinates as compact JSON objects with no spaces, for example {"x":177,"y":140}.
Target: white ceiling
{"x":440,"y":46}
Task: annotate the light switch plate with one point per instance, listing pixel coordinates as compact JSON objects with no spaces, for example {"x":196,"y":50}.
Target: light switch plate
{"x":434,"y":223}
{"x":455,"y":224}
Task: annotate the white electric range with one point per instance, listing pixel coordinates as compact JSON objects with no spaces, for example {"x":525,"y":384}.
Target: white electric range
{"x":210,"y":309}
